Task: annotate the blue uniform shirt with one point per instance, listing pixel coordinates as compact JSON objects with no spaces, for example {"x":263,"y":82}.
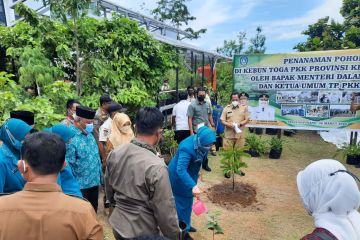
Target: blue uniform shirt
{"x":184,"y":168}
{"x":84,"y":159}
{"x":10,"y":179}
{"x":216,"y":114}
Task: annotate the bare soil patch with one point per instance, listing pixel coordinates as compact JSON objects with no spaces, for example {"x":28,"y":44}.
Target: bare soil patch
{"x":243,"y":196}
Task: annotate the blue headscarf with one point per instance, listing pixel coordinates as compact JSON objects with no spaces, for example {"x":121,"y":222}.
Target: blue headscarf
{"x":13,"y":132}
{"x":204,"y":137}
{"x":62,"y":130}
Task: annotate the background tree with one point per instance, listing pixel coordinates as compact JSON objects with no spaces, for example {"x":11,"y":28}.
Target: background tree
{"x":177,"y":13}
{"x":351,"y":13}
{"x":117,"y":55}
{"x":257,"y":43}
{"x":74,"y":9}
{"x":36,"y":70}
{"x":232,"y":47}
{"x":327,"y":34}
{"x":323,"y":35}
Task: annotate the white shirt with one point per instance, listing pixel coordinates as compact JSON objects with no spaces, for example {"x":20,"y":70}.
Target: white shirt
{"x":104,"y":131}
{"x":265,"y":114}
{"x":180,"y":113}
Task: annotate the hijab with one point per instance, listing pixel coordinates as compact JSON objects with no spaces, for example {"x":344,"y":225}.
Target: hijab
{"x":65,"y":132}
{"x":204,"y":137}
{"x":121,"y":131}
{"x":332,"y":199}
{"x":12,"y":133}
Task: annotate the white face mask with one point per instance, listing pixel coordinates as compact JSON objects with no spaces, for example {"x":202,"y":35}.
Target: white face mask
{"x":235,"y":103}
{"x":125,"y":129}
{"x":24,"y":169}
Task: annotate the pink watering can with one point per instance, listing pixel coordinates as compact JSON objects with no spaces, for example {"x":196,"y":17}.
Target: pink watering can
{"x":199,"y":208}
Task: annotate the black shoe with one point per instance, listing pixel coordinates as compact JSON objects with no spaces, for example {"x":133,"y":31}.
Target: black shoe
{"x":226,"y":175}
{"x":106,"y":203}
{"x":213,"y":153}
{"x":207,"y":168}
{"x":188,"y":237}
{"x":242,"y":173}
{"x":192,"y":229}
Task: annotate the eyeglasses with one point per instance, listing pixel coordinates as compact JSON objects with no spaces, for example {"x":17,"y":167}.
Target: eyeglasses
{"x":345,"y":171}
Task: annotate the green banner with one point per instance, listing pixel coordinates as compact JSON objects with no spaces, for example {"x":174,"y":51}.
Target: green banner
{"x":310,"y":90}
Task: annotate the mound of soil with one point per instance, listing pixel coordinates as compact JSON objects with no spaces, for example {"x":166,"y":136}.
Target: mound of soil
{"x":244,"y":195}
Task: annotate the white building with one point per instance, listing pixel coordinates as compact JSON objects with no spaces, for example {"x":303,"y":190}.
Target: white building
{"x":7,"y":13}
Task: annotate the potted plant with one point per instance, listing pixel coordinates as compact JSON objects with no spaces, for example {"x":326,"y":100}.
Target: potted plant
{"x":168,"y":145}
{"x":255,"y":145}
{"x":276,"y":146}
{"x":289,"y":132}
{"x":259,"y":131}
{"x":271,"y":131}
{"x":231,"y":162}
{"x":351,"y":152}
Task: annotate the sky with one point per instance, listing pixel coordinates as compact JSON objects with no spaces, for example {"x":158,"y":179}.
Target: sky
{"x":282,"y":21}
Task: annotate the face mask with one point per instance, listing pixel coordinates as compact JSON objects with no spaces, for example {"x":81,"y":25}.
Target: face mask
{"x":204,"y":149}
{"x":24,"y":166}
{"x":201,"y":98}
{"x":89,"y":128}
{"x":159,"y":139}
{"x":16,"y":144}
{"x":24,"y":169}
{"x":235,"y":103}
{"x":125,"y":129}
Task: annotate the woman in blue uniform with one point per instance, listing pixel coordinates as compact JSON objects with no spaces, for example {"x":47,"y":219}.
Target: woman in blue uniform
{"x":184,"y":171}
{"x":66,"y":179}
{"x":12,"y":133}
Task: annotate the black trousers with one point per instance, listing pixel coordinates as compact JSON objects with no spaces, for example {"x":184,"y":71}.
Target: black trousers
{"x":181,"y":135}
{"x":92,"y":195}
{"x":205,"y":162}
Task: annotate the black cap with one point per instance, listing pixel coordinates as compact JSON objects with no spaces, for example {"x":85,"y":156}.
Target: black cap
{"x":243,"y":94}
{"x":85,"y":112}
{"x":105,"y":99}
{"x":116,"y":107}
{"x":26,"y":116}
{"x":264,"y":96}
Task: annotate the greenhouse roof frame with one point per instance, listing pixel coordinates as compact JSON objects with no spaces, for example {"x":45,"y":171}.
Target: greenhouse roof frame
{"x":156,"y":28}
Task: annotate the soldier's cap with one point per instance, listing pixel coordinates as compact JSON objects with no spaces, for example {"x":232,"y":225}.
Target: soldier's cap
{"x":116,"y":107}
{"x":243,"y":94}
{"x":85,"y":112}
{"x":26,"y":116}
{"x":264,"y":96}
